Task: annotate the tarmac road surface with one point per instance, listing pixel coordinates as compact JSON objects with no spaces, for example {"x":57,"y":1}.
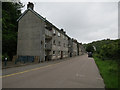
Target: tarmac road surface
{"x":75,"y":72}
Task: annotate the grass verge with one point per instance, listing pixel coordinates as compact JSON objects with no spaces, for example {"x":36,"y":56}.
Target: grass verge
{"x":109,"y":71}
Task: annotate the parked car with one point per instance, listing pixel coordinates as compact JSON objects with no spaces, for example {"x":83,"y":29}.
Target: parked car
{"x":89,"y":54}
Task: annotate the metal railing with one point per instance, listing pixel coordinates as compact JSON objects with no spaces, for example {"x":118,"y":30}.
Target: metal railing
{"x":48,"y":46}
{"x":48,"y":32}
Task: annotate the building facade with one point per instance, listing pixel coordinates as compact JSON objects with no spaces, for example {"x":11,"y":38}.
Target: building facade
{"x":79,"y":47}
{"x":75,"y":52}
{"x":40,"y":40}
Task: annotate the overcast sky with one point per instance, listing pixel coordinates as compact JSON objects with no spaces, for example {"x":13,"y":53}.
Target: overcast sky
{"x":84,"y":21}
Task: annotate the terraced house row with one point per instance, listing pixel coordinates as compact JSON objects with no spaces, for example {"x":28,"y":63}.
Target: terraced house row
{"x":40,"y":40}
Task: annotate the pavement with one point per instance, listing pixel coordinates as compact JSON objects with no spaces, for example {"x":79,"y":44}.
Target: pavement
{"x":75,"y":72}
{"x":11,"y":64}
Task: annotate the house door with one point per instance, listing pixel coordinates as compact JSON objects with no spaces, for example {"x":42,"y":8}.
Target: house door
{"x":47,"y":55}
{"x":70,"y":54}
{"x":61,"y":54}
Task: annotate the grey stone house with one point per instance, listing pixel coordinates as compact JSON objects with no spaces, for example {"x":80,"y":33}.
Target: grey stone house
{"x":79,"y":47}
{"x":38,"y":39}
{"x":72,"y":47}
{"x":75,"y":49}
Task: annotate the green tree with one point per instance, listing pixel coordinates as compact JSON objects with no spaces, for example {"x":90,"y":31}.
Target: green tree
{"x":89,"y":48}
{"x":106,"y":49}
{"x":10,"y":13}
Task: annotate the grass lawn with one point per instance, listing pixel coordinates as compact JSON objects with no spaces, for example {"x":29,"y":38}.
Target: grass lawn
{"x":109,"y":71}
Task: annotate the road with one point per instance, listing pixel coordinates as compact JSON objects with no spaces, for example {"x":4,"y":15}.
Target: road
{"x":75,"y":72}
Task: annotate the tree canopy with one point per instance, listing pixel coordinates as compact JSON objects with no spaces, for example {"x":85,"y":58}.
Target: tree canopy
{"x":106,"y":49}
{"x":89,"y":48}
{"x":10,"y":13}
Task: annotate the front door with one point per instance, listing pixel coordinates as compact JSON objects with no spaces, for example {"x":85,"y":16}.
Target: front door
{"x":61,"y":54}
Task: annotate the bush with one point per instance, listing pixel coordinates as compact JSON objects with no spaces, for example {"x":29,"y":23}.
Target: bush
{"x":90,"y":48}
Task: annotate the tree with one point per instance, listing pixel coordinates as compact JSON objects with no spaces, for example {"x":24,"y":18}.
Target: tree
{"x":106,"y":49}
{"x":10,"y":13}
{"x":89,"y":48}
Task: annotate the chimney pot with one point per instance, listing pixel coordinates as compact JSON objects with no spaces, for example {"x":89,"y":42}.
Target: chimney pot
{"x":62,"y":30}
{"x":30,"y":5}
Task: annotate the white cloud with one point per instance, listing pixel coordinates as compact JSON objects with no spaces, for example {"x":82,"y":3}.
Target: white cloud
{"x":85,"y":21}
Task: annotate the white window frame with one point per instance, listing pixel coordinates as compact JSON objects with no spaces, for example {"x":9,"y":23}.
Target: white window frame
{"x":59,"y":34}
{"x":54,"y":31}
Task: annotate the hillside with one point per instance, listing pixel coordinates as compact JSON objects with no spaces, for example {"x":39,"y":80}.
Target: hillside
{"x":106,"y":54}
{"x":106,"y":48}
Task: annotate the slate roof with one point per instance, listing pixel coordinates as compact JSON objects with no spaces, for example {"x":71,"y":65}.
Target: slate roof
{"x":39,"y":16}
{"x":29,"y":9}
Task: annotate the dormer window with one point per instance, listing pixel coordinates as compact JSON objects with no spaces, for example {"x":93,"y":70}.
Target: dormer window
{"x":58,"y":34}
{"x":54,"y":31}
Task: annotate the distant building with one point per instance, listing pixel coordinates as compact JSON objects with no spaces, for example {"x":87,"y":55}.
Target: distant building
{"x":75,"y":52}
{"x":81,"y":49}
{"x":41,"y":40}
{"x":70,"y":47}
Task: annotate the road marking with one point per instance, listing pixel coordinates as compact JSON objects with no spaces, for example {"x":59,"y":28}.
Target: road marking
{"x":99,"y":78}
{"x":79,"y":75}
{"x":29,"y":70}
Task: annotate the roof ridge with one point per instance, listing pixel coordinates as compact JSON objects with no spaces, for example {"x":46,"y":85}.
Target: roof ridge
{"x":37,"y":14}
{"x":32,"y":12}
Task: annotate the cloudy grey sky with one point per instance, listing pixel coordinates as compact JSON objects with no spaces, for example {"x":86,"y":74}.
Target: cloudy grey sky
{"x":84,"y":21}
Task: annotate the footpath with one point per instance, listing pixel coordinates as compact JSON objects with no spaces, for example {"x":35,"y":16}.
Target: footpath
{"x":11,"y":64}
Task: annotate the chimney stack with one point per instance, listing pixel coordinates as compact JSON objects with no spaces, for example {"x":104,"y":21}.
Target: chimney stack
{"x":30,"y":5}
{"x":62,"y":30}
